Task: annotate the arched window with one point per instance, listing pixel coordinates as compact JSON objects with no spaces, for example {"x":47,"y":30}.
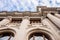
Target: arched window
{"x":38,"y":36}
{"x":6,"y":36}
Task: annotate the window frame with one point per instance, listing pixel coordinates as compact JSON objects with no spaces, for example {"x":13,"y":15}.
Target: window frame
{"x":8,"y":31}
{"x":47,"y":33}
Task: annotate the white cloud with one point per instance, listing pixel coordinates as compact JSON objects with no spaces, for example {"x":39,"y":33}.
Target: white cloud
{"x":58,"y":1}
{"x":26,"y":5}
{"x":1,"y":4}
{"x":45,"y":3}
{"x":35,"y":2}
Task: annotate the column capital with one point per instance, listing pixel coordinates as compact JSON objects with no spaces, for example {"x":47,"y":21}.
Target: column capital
{"x":9,"y":18}
{"x":26,"y":17}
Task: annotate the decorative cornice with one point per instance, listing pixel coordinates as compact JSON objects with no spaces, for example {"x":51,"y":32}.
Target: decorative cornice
{"x":17,"y":14}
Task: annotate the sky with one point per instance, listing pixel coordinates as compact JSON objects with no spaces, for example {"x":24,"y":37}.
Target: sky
{"x":26,"y":5}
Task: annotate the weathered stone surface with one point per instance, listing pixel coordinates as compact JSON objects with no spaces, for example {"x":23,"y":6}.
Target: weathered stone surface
{"x":22,"y":24}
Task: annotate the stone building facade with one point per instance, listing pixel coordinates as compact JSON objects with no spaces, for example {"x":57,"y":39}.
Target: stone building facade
{"x":44,"y":24}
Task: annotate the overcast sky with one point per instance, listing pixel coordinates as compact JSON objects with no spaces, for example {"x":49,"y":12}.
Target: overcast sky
{"x":26,"y":5}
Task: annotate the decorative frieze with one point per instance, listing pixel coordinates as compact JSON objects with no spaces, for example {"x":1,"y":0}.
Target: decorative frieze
{"x":37,"y":25}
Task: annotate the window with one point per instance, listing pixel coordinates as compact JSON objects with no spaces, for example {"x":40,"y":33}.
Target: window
{"x":38,"y":36}
{"x":35,"y":20}
{"x":16,"y":20}
{"x":52,"y":13}
{"x":59,"y":12}
{"x":6,"y":36}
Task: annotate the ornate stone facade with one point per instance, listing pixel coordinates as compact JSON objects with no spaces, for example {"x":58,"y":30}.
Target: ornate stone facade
{"x":44,"y":22}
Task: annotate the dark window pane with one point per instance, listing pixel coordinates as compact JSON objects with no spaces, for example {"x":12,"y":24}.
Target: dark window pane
{"x":6,"y":36}
{"x":38,"y":36}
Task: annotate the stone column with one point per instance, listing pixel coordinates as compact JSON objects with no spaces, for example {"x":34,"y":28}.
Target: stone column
{"x":51,"y":27}
{"x":54,"y":19}
{"x":6,"y":21}
{"x":23,"y":28}
{"x":25,"y":22}
{"x":57,"y":15}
